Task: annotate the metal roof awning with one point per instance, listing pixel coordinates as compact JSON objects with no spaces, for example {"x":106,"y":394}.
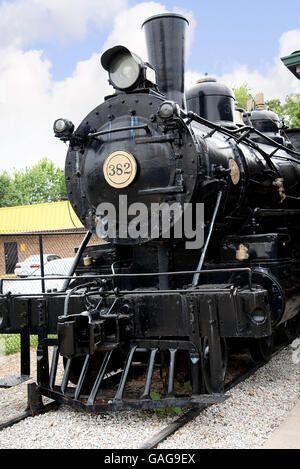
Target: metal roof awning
{"x":53,"y":216}
{"x":292,"y":62}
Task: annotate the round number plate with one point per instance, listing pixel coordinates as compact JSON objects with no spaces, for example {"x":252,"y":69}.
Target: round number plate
{"x":119,"y":169}
{"x":234,"y":171}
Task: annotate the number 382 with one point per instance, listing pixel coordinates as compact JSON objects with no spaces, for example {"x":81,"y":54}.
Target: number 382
{"x":119,"y":169}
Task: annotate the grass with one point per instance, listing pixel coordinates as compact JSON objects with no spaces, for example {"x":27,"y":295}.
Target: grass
{"x":11,"y":343}
{"x":161,"y":413}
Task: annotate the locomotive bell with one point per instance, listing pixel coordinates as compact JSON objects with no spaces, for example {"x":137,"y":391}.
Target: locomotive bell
{"x":265,"y":121}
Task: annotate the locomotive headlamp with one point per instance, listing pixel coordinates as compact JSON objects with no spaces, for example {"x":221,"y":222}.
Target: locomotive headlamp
{"x":126,"y":70}
{"x":168,"y":109}
{"x":63,"y":128}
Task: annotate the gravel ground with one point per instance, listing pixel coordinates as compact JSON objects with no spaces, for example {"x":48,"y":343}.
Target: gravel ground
{"x":255,"y":409}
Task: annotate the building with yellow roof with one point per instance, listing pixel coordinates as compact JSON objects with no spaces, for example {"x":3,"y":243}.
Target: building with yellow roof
{"x":24,"y":228}
{"x":52,"y":216}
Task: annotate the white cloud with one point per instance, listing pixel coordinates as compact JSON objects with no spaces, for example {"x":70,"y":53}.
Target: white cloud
{"x":30,"y":100}
{"x":24,"y":109}
{"x":276,"y":82}
{"x":28,"y":20}
{"x":128,"y":31}
{"x":289,"y":42}
{"x":127,"y":28}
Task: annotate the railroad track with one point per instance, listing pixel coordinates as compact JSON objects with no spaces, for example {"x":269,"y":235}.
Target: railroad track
{"x":37,"y":408}
{"x":28,"y":413}
{"x":195,"y":411}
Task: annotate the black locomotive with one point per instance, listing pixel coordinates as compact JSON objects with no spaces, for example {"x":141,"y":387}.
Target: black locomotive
{"x":156,"y":311}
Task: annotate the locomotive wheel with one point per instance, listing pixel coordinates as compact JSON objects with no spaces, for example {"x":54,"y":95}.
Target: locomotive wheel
{"x":206,"y":363}
{"x":261,"y":349}
{"x":291,"y":329}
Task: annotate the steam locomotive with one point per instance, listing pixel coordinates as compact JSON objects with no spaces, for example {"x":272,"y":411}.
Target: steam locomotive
{"x":200,"y":218}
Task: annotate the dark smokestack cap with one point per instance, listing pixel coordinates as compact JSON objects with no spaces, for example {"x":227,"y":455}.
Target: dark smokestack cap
{"x":164,"y":15}
{"x":165,"y":39}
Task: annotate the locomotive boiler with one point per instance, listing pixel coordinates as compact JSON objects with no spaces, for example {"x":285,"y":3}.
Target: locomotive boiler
{"x":200,"y":218}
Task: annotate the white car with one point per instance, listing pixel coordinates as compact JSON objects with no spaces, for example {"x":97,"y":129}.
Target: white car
{"x":58,"y":267}
{"x":32,"y":263}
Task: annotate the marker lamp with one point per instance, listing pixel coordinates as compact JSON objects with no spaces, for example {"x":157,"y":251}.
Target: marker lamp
{"x":168,"y":109}
{"x":63,"y":128}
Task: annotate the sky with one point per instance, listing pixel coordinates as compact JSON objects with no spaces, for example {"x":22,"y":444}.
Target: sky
{"x":50,"y":58}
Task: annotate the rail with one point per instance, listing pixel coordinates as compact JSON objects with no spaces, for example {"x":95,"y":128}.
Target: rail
{"x":196,"y":411}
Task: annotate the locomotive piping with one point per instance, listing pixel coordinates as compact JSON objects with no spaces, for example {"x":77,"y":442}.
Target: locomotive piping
{"x":76,"y":259}
{"x":202,"y":258}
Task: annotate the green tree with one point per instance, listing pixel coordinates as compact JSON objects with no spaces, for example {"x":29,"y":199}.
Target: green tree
{"x":275,"y":106}
{"x":40,"y":183}
{"x":292,"y":109}
{"x":242,"y":95}
{"x":288,"y":111}
{"x":6,"y":197}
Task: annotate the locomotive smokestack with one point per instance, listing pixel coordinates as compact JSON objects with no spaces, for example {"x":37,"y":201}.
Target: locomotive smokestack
{"x":165,"y":39}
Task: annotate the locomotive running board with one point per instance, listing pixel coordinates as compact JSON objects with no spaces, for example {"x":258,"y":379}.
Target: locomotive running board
{"x":108,"y":393}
